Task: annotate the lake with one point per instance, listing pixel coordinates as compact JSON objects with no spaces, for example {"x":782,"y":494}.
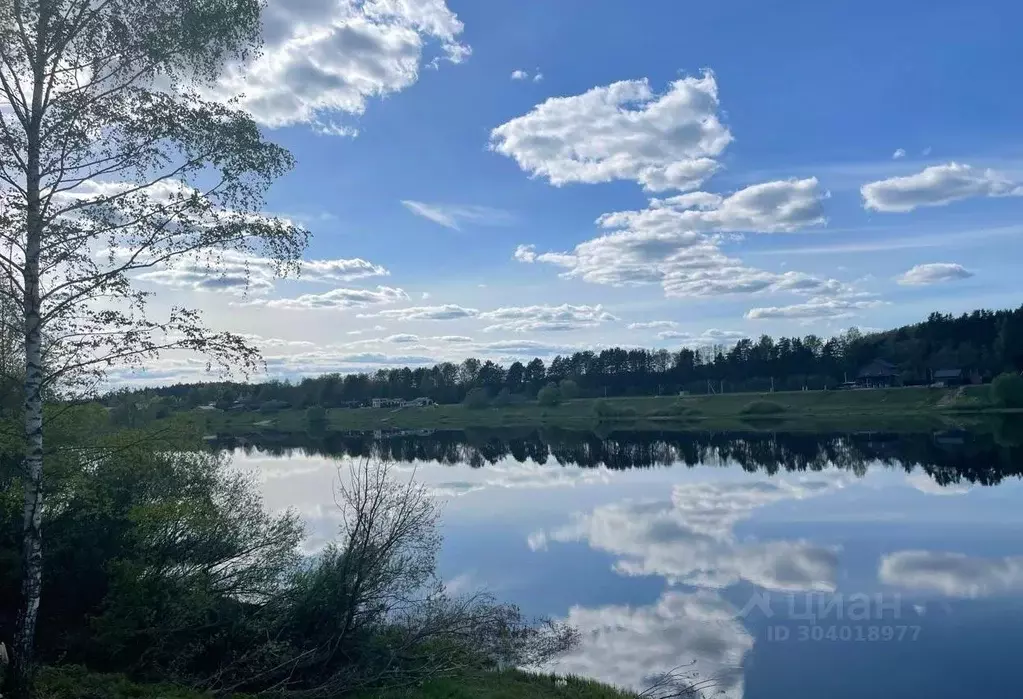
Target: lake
{"x":769,"y":566}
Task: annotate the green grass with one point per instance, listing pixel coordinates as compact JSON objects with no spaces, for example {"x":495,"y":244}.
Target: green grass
{"x":510,"y":684}
{"x":74,"y":682}
{"x":896,"y":408}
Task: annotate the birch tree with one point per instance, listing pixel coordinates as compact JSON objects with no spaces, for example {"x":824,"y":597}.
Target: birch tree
{"x":117,"y":156}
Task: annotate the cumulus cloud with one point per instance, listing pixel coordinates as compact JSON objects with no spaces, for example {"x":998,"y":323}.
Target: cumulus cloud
{"x":953,"y":574}
{"x":622,"y":131}
{"x":690,"y":540}
{"x":675,"y":242}
{"x":338,"y":299}
{"x":899,"y":154}
{"x":631,"y":646}
{"x":446,"y":312}
{"x":240,"y":273}
{"x":518,"y":476}
{"x":769,"y":207}
{"x":653,"y":325}
{"x":324,"y":58}
{"x":707,"y":337}
{"x":934,"y":273}
{"x":546,"y":318}
{"x":519,"y":75}
{"x":937,"y":186}
{"x":453,"y":216}
{"x":817,"y":307}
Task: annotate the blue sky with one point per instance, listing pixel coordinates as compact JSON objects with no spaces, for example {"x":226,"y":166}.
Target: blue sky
{"x":774,"y":168}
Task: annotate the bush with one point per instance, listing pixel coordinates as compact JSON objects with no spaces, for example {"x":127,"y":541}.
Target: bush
{"x":569,"y":389}
{"x":677,"y":409}
{"x":316,"y":417}
{"x":506,"y":398}
{"x":1007,"y":390}
{"x":607,"y":410}
{"x":477,"y":399}
{"x":75,"y":682}
{"x":549,"y":396}
{"x":762,"y":407}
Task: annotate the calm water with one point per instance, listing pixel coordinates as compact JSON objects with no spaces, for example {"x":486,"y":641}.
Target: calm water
{"x":780,"y":565}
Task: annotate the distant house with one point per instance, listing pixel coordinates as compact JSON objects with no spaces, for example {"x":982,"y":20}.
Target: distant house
{"x":880,"y":373}
{"x":211,"y":408}
{"x":949,"y":377}
{"x":402,"y":403}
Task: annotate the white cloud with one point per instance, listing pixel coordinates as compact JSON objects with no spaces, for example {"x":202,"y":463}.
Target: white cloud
{"x":674,"y":242}
{"x":518,"y":476}
{"x":402,"y":339}
{"x":934,"y":273}
{"x":922,"y":481}
{"x":899,"y":154}
{"x":631,"y":646}
{"x":234,"y":281}
{"x":519,"y":75}
{"x":653,"y":325}
{"x":690,"y":540}
{"x":817,"y":307}
{"x":936,"y":186}
{"x":624,"y":131}
{"x":339,"y":299}
{"x":453,"y":216}
{"x":546,"y":318}
{"x":706,"y":338}
{"x":240,"y":273}
{"x":323,"y":57}
{"x":340,"y":270}
{"x":953,"y":574}
{"x":769,"y":207}
{"x":538,"y":78}
{"x":446,"y":312}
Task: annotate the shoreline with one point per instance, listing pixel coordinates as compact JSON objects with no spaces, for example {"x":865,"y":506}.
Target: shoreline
{"x":878,"y":409}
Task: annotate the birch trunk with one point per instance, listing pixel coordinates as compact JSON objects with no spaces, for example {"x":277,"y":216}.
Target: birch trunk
{"x":32,"y":516}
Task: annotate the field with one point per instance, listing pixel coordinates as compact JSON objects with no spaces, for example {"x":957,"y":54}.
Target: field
{"x":923,"y":408}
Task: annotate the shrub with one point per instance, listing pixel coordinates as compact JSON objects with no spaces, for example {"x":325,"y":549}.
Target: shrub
{"x":549,"y":396}
{"x":316,"y":417}
{"x":607,"y":410}
{"x":503,"y":398}
{"x":677,"y":409}
{"x":569,"y":389}
{"x":762,"y":407}
{"x":477,"y":399}
{"x":75,"y":682}
{"x":1007,"y":390}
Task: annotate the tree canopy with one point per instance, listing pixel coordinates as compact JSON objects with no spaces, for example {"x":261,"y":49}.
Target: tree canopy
{"x":982,"y":343}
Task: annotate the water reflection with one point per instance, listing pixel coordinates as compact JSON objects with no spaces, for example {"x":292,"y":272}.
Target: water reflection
{"x":653,"y":545}
{"x":948,"y":457}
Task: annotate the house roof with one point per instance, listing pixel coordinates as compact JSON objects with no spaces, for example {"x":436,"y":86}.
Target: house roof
{"x":948,"y":373}
{"x":879,"y":367}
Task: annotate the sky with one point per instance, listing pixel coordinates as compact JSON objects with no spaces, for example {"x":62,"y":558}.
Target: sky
{"x":514,"y":179}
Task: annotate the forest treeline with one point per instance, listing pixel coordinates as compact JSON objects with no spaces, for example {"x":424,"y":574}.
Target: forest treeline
{"x":982,"y":343}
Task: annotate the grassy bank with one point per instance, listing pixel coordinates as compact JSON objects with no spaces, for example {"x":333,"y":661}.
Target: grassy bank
{"x":73,"y":682}
{"x":911,"y":408}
